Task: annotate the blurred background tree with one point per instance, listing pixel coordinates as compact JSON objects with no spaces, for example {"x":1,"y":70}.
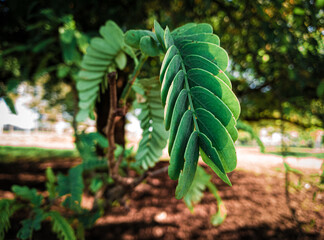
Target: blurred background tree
{"x":276,"y":48}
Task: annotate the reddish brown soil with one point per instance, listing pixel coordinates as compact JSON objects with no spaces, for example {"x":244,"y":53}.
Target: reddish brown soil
{"x":256,"y":209}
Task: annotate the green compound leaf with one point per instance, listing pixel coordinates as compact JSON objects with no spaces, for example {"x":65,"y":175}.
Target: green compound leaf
{"x":103,"y":52}
{"x":199,"y":102}
{"x":61,"y":226}
{"x":7,"y":208}
{"x":31,"y":224}
{"x":26,"y":193}
{"x":71,"y":185}
{"x":154,"y":136}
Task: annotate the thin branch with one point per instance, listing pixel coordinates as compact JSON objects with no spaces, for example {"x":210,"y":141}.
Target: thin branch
{"x":110,"y":132}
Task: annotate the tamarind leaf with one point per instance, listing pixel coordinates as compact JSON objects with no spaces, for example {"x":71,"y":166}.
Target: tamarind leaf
{"x":211,"y":51}
{"x":174,"y":91}
{"x":180,"y":30}
{"x":181,"y":105}
{"x":198,"y":99}
{"x":113,"y":35}
{"x":198,"y":37}
{"x":92,"y":68}
{"x":86,"y":95}
{"x":217,"y":133}
{"x":168,"y":40}
{"x":172,"y":51}
{"x":169,"y":75}
{"x":84,"y":104}
{"x":196,"y":61}
{"x":85,"y":75}
{"x":96,"y":61}
{"x":200,"y":77}
{"x":104,"y":53}
{"x":154,"y":136}
{"x":177,"y":154}
{"x":210,"y":156}
{"x":198,"y":186}
{"x":198,"y":28}
{"x":191,"y":159}
{"x":101,"y":45}
{"x":92,"y":52}
{"x":203,"y":98}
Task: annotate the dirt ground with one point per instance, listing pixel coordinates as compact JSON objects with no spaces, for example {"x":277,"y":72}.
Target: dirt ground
{"x":256,"y":207}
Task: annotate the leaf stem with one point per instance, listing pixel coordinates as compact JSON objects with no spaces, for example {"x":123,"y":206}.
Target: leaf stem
{"x":128,"y":87}
{"x":189,"y":95}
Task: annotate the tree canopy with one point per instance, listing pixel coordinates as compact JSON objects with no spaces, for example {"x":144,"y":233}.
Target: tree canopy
{"x":275,"y":47}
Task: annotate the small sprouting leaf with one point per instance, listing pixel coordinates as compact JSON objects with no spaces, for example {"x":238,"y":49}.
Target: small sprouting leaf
{"x":149,"y":46}
{"x":168,"y":40}
{"x":121,"y":60}
{"x":172,"y":51}
{"x":169,"y":75}
{"x":159,"y":32}
{"x":133,"y":37}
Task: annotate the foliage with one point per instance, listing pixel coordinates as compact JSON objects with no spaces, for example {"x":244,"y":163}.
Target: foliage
{"x":28,"y":194}
{"x":200,"y":109}
{"x":7,"y":209}
{"x":192,"y":54}
{"x":50,"y":184}
{"x":72,"y":184}
{"x":276,"y":51}
{"x":195,"y":192}
{"x":154,"y":136}
{"x":104,"y":54}
{"x":31,"y":224}
{"x":64,"y":191}
{"x":61,"y":226}
{"x":246,"y":128}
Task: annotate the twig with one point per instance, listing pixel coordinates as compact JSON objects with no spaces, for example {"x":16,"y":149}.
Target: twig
{"x":110,"y":131}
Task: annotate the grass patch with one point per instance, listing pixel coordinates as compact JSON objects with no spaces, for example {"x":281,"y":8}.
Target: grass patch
{"x":298,"y":152}
{"x":34,"y":154}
